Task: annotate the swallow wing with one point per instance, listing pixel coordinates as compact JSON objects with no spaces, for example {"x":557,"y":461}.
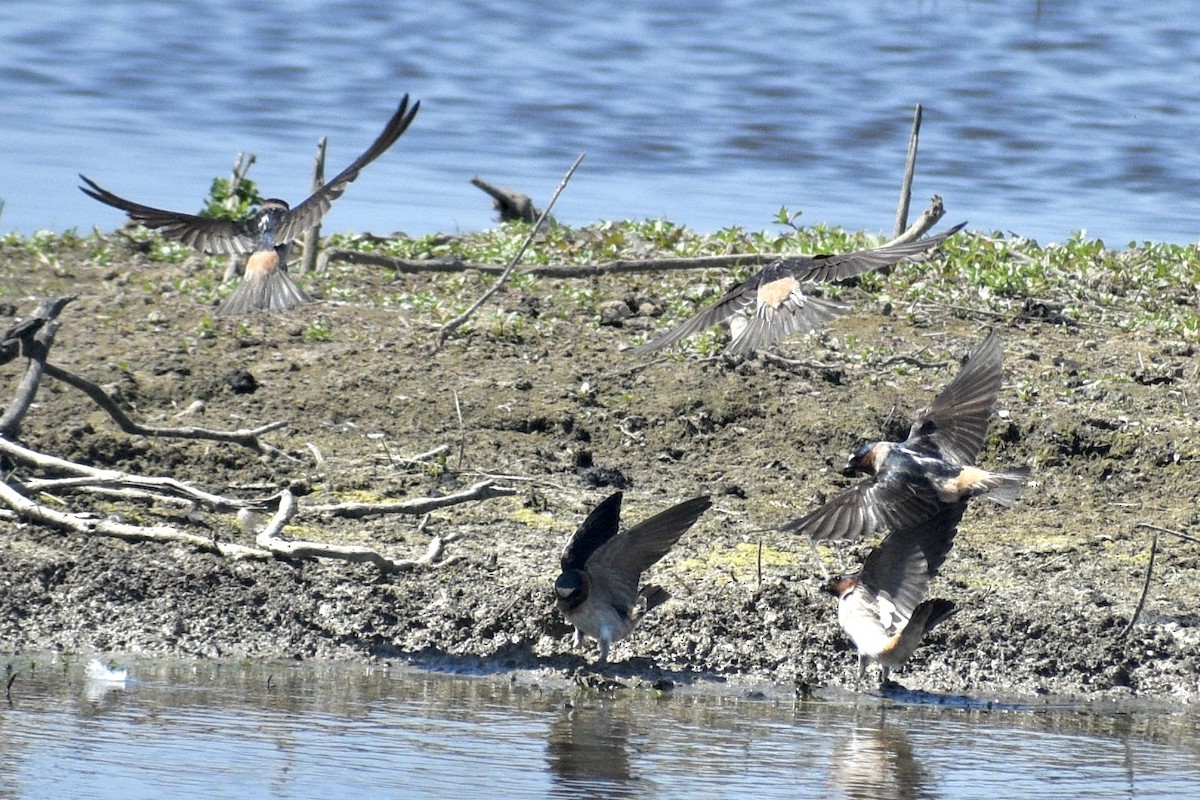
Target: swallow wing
{"x":955,"y":424}
{"x":896,"y":574}
{"x":618,"y":564}
{"x":599,"y":527}
{"x":310,"y":212}
{"x":781,"y":308}
{"x":839,"y":266}
{"x":875,"y":505}
{"x":203,"y":233}
{"x":734,"y":302}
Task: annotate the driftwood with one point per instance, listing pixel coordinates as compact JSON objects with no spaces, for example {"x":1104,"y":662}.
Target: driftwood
{"x":36,"y":475}
{"x":930,"y":217}
{"x":312,"y":237}
{"x":910,"y":168}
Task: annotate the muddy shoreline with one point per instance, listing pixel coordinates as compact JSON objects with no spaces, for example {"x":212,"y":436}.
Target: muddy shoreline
{"x":548,"y":403}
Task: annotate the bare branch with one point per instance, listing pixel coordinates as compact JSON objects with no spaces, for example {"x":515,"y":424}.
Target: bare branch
{"x":81,"y":523}
{"x":458,"y":321}
{"x":483,"y":490}
{"x":245,"y":438}
{"x":93,"y":476}
{"x":312,"y":237}
{"x":269,"y":539}
{"x":910,"y":168}
{"x":35,"y":348}
{"x":929,"y":217}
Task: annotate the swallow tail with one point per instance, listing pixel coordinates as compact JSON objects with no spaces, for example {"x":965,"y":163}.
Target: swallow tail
{"x":935,"y":612}
{"x":651,"y":597}
{"x":1007,"y":486}
{"x":273,"y":290}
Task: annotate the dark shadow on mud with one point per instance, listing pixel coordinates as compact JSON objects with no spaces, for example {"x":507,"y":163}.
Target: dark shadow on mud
{"x":636,"y":672}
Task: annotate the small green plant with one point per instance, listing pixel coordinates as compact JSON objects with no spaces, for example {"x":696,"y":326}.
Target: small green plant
{"x":319,"y":331}
{"x":226,"y":201}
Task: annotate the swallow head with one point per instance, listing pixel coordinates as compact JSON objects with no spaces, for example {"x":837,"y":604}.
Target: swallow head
{"x":866,"y":459}
{"x":571,"y":588}
{"x":268,"y":219}
{"x":840,"y":586}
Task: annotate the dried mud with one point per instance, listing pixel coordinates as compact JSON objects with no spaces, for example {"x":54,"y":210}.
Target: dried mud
{"x":1105,"y":419}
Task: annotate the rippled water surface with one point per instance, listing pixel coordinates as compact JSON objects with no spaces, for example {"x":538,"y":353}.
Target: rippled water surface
{"x":320,"y":730}
{"x":1041,"y":117}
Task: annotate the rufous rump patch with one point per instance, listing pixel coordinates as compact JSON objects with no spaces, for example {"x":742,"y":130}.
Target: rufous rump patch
{"x":261,"y":262}
{"x":776,"y":293}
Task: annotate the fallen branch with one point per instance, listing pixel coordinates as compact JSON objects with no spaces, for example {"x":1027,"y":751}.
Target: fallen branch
{"x":404,"y":266}
{"x":929,"y":217}
{"x":483,"y":490}
{"x":95,"y":476}
{"x":34,"y":341}
{"x":458,"y":321}
{"x":312,"y":237}
{"x":33,"y":511}
{"x":245,"y":438}
{"x":269,"y":539}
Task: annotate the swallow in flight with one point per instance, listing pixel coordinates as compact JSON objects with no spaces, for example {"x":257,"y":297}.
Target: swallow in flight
{"x":772,"y":302}
{"x":598,"y":589}
{"x":883,"y":608}
{"x":267,"y":234}
{"x":933,"y":468}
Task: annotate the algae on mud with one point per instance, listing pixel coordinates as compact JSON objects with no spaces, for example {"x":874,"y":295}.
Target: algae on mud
{"x":1099,"y":399}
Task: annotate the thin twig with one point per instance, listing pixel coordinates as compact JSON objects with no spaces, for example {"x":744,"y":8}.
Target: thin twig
{"x":910,"y":167}
{"x":36,"y":350}
{"x":462,"y":431}
{"x":1168,"y":531}
{"x":1137,"y":611}
{"x":458,"y":321}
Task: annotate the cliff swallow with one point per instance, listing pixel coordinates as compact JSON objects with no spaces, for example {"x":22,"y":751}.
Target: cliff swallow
{"x":931,"y":469}
{"x":882,"y":608}
{"x":267,"y":234}
{"x":598,"y":590}
{"x":775,"y":304}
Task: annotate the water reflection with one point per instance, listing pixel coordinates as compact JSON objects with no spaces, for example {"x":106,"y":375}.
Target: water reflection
{"x":285,"y":730}
{"x":587,"y":749}
{"x":874,"y":760}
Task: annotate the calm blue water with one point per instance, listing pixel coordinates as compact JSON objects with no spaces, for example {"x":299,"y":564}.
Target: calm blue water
{"x":1041,"y":117}
{"x":325,"y":730}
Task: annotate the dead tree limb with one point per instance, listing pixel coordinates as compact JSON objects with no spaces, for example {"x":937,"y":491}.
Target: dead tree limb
{"x":312,"y":237}
{"x":910,"y":168}
{"x":929,"y":217}
{"x":33,"y":511}
{"x":34,"y":341}
{"x":458,"y":321}
{"x":1141,"y":603}
{"x":95,"y":476}
{"x":269,"y":539}
{"x":925,"y":222}
{"x":243,"y":437}
{"x":483,"y":490}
